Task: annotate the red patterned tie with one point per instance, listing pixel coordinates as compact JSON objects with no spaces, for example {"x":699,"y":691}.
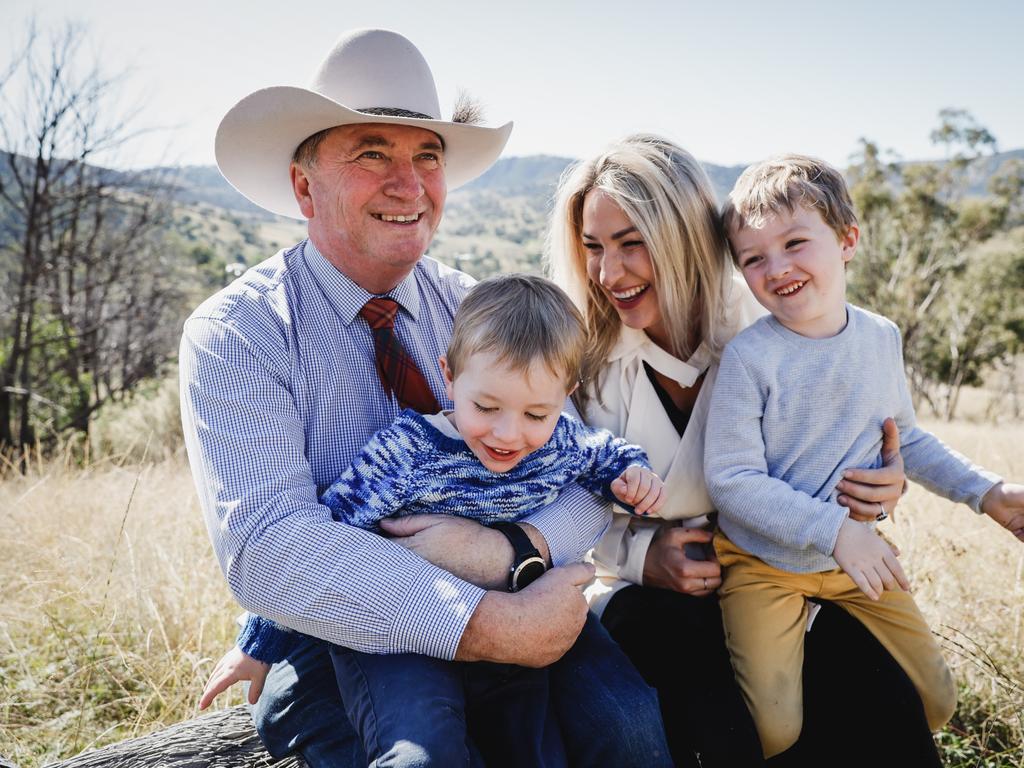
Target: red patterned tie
{"x":395,"y":367}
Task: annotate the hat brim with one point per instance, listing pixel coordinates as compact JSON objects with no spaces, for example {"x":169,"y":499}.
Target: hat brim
{"x":258,"y":137}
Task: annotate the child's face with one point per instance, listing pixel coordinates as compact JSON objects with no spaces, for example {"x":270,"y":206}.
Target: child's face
{"x":501,"y":413}
{"x":796,"y":268}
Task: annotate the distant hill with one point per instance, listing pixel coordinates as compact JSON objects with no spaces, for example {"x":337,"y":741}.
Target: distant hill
{"x":523,"y":175}
{"x":530,"y":176}
{"x":203,"y":184}
{"x":533,"y":175}
{"x":495,"y":223}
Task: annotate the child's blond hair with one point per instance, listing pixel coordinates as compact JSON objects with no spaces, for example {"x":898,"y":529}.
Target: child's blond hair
{"x":782,"y":183}
{"x":520,"y":319}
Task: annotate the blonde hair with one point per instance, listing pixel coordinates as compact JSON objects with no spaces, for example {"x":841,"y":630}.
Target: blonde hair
{"x":521,"y":319}
{"x":667,"y":196}
{"x":781,"y":183}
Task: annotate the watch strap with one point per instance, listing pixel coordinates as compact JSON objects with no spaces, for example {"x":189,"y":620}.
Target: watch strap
{"x":522,"y":550}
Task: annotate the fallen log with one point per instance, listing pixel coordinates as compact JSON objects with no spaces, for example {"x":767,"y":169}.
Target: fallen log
{"x":223,"y":739}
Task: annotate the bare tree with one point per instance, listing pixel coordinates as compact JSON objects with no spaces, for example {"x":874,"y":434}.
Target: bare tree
{"x":91,"y":293}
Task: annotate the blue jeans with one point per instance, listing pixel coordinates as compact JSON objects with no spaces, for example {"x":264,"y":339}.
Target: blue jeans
{"x":607,"y":714}
{"x":414,"y":711}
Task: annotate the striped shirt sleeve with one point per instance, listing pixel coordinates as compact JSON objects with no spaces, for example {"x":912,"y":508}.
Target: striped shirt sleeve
{"x":283,"y":555}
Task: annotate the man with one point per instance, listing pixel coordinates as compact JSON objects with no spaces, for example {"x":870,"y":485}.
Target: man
{"x":287,"y":372}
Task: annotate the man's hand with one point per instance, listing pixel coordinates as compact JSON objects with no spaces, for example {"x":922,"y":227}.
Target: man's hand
{"x":531,"y":628}
{"x":868,"y":560}
{"x":864,"y":489}
{"x":641,"y":489}
{"x":1004,"y":503}
{"x":667,"y":566}
{"x":464,"y":548}
{"x":235,"y":666}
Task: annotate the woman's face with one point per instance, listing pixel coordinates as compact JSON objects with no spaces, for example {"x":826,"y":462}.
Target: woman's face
{"x":619,"y":263}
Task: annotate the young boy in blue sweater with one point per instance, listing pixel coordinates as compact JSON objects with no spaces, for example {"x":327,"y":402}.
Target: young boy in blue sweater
{"x":800,"y":397}
{"x":504,"y":450}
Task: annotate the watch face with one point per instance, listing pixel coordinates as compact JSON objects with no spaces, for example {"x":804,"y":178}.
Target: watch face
{"x":528,"y":572}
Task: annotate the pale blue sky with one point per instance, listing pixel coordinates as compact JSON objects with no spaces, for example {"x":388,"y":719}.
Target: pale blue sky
{"x":731,"y":81}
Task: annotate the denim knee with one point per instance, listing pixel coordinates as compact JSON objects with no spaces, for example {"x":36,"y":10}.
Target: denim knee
{"x":593,"y":686}
{"x":300,"y":710}
{"x":409,"y":710}
{"x":430,"y":748}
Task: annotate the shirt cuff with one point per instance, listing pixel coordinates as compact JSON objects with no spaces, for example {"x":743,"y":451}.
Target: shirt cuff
{"x":572,"y":524}
{"x":638,"y":542}
{"x":435,"y":614}
{"x":976,"y":491}
{"x":824,"y":531}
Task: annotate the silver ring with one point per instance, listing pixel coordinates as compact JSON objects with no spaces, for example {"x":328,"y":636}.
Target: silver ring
{"x":705,"y":583}
{"x":882,"y":514}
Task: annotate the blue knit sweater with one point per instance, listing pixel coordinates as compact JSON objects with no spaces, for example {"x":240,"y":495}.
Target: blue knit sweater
{"x":410,"y":468}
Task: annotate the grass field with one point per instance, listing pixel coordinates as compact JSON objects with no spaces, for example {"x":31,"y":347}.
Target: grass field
{"x":112,"y":608}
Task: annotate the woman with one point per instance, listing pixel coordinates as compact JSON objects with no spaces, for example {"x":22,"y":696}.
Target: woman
{"x":635,"y":240}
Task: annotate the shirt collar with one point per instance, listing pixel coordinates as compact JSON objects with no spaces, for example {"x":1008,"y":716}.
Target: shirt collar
{"x":440,"y":422}
{"x":634,"y":344}
{"x":346,"y":296}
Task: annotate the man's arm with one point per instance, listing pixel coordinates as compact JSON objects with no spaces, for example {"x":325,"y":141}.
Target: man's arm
{"x":283,"y":555}
{"x":563,"y":532}
{"x":483,"y":556}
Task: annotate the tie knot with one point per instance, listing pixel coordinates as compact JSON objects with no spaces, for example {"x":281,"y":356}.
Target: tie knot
{"x":380,"y":312}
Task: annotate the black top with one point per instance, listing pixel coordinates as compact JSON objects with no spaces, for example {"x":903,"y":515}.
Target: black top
{"x":676,"y":415}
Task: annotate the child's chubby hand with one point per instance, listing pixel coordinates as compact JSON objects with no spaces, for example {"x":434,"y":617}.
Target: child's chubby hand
{"x":235,"y":666}
{"x":868,"y":559}
{"x":641,"y":489}
{"x":1004,"y":503}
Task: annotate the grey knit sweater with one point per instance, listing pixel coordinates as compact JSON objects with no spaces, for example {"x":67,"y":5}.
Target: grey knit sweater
{"x":789,"y":414}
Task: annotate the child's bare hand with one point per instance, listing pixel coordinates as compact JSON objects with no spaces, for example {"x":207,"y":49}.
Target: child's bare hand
{"x":1004,"y":503}
{"x":234,"y":666}
{"x":641,"y":489}
{"x":868,"y":560}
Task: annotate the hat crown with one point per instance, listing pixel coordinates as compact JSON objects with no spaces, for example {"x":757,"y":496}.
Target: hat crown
{"x":377,"y":68}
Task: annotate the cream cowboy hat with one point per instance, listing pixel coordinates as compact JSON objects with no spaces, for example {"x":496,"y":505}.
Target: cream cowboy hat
{"x":370,"y":76}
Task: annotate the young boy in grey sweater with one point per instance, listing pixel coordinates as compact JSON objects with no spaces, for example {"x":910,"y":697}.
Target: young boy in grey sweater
{"x":800,"y":397}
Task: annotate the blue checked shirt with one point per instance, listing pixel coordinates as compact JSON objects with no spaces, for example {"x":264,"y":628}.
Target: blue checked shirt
{"x":278,"y":394}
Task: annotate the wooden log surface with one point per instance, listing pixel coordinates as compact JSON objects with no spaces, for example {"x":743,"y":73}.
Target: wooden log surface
{"x":222,"y":739}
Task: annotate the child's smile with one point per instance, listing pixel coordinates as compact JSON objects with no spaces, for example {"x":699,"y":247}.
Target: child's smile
{"x":795,"y":266}
{"x":502,"y":413}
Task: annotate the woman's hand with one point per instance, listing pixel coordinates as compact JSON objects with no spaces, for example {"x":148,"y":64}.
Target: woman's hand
{"x":667,"y":566}
{"x":870,"y":492}
{"x":235,"y":666}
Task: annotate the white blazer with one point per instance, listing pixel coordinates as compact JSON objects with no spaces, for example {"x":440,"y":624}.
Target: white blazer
{"x":630,"y":408}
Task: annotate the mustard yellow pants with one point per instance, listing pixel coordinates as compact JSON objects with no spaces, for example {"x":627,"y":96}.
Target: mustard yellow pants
{"x":764,"y":611}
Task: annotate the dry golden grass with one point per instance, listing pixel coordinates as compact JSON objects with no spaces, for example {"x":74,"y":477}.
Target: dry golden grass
{"x":968,"y":577}
{"x":112,"y":607}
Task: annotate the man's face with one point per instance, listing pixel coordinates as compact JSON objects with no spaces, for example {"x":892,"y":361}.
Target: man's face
{"x":373,"y":197}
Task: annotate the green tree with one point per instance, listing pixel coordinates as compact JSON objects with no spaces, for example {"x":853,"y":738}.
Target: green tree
{"x":939,"y":262}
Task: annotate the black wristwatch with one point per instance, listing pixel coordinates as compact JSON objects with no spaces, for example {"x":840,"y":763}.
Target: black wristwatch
{"x":527,"y":564}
